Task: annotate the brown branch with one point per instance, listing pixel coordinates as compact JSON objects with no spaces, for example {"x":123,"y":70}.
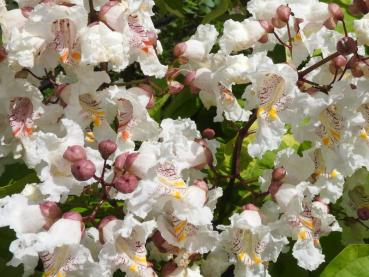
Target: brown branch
{"x":318,"y":64}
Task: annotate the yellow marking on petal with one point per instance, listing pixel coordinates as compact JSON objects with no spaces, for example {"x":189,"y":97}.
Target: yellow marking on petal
{"x":317,"y":172}
{"x":256,"y":259}
{"x":76,"y":56}
{"x":241,"y":256}
{"x":326,"y":141}
{"x":90,"y":137}
{"x":63,"y":56}
{"x":124,"y":135}
{"x":273,"y":114}
{"x":302,"y":235}
{"x":133,"y":268}
{"x":308,"y":223}
{"x":182,"y":237}
{"x":177,"y":194}
{"x":334,"y":173}
{"x":260,"y":111}
{"x":178,"y":228}
{"x":336,"y":134}
{"x":177,"y":184}
{"x":297,"y":37}
{"x":140,"y":259}
{"x":364,"y":135}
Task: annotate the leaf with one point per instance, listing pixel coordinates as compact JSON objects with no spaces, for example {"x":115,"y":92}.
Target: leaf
{"x":185,"y":104}
{"x":156,"y":111}
{"x":219,"y":10}
{"x":165,"y":7}
{"x":352,"y":261}
{"x":18,"y":185}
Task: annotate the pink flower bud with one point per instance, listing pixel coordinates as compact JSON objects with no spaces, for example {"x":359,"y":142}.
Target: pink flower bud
{"x":330,"y":23}
{"x":274,"y":187}
{"x":73,"y":216}
{"x":208,"y":133}
{"x":357,"y":72}
{"x":126,"y":183}
{"x":83,"y":170}
{"x":150,"y":93}
{"x":353,"y":9}
{"x":74,"y":153}
{"x":335,"y":11}
{"x":168,"y":268}
{"x":202,"y":185}
{"x":278,"y":173}
{"x":263,"y":39}
{"x":339,"y":61}
{"x":159,"y":241}
{"x":190,"y":77}
{"x":175,"y":87}
{"x":3,"y":54}
{"x":26,"y":11}
{"x":250,"y":207}
{"x":106,"y":148}
{"x":172,"y":73}
{"x":51,"y":213}
{"x":361,"y":6}
{"x":363,"y":213}
{"x":130,"y":159}
{"x":179,"y":49}
{"x":120,"y":161}
{"x":283,"y":13}
{"x":277,"y":23}
{"x":346,"y":46}
{"x":267,"y":25}
{"x":102,"y":224}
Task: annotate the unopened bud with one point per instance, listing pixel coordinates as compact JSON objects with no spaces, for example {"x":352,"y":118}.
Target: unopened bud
{"x":361,"y":6}
{"x":202,"y":185}
{"x":179,"y":49}
{"x":353,"y":9}
{"x":83,"y":170}
{"x":278,"y":173}
{"x":277,"y":23}
{"x":74,"y":153}
{"x":175,"y":87}
{"x":51,"y":213}
{"x":363,"y":213}
{"x":357,"y":72}
{"x":102,"y":224}
{"x":168,"y":268}
{"x":208,"y":133}
{"x":339,"y":61}
{"x":3,"y":54}
{"x":250,"y":207}
{"x":73,"y":215}
{"x":346,"y":46}
{"x":158,"y":240}
{"x":130,"y":159}
{"x":106,"y":148}
{"x":263,"y":39}
{"x":126,"y":183}
{"x":190,"y":77}
{"x":267,"y":25}
{"x":335,"y":11}
{"x":283,"y":13}
{"x":274,"y":187}
{"x":330,"y":23}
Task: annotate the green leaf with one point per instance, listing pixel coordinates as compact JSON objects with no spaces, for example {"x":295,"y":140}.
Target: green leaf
{"x":219,"y":10}
{"x":18,"y":185}
{"x":352,"y":261}
{"x":170,"y":7}
{"x":183,"y":105}
{"x":156,"y":111}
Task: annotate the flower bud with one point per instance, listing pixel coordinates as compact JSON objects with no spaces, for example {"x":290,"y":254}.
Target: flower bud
{"x":208,"y":133}
{"x":268,"y":26}
{"x":83,"y":170}
{"x":130,"y":159}
{"x":73,"y":216}
{"x":330,"y":23}
{"x":339,"y":61}
{"x":360,"y":6}
{"x":283,"y":13}
{"x":102,"y":224}
{"x":202,"y":185}
{"x":168,"y":268}
{"x":274,"y":187}
{"x":190,"y":77}
{"x":353,"y":9}
{"x":346,"y":46}
{"x":120,"y":161}
{"x":278,"y":173}
{"x":3,"y":54}
{"x":263,"y":39}
{"x":335,"y":11}
{"x":277,"y":23}
{"x":74,"y":153}
{"x":179,"y":49}
{"x":126,"y":183}
{"x":51,"y":213}
{"x":250,"y":207}
{"x":175,"y":87}
{"x":357,"y":72}
{"x":159,"y":241}
{"x":363,"y":213}
{"x":106,"y":148}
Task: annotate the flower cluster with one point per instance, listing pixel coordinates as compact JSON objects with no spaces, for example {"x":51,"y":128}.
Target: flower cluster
{"x":86,"y":132}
